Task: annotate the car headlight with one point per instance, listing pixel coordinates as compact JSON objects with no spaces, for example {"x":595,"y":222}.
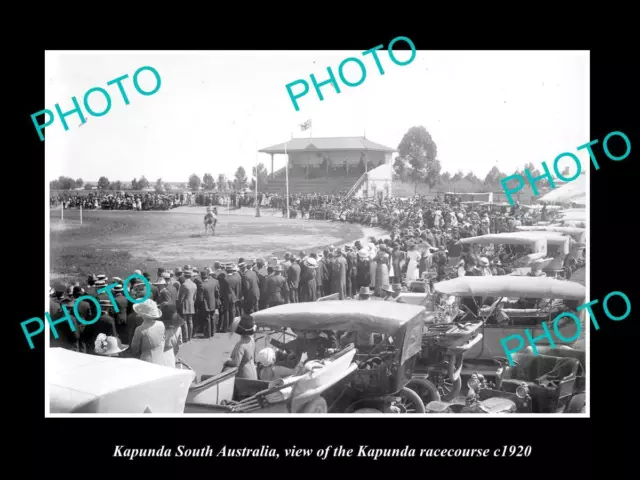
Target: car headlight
{"x":522,"y":391}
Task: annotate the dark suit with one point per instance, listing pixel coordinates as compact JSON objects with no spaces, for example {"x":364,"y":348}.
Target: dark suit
{"x":186,"y":307}
{"x":277,"y":290}
{"x":250,"y":291}
{"x":235,"y":284}
{"x":228,"y":301}
{"x":121,"y":316}
{"x":262,"y":283}
{"x":352,"y":273}
{"x":211,"y":289}
{"x":293,"y":277}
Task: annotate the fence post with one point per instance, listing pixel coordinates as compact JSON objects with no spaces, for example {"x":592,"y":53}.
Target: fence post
{"x":81,"y":214}
{"x":62,"y":211}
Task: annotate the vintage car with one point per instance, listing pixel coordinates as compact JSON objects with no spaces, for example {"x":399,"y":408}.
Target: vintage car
{"x":83,"y":383}
{"x":302,"y":393}
{"x":438,"y":370}
{"x":554,"y":379}
{"x":578,"y":234}
{"x":536,"y":245}
{"x":371,"y":379}
{"x":488,"y":296}
{"x":483,"y":398}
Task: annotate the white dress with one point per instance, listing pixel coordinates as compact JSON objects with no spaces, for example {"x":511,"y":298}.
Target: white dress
{"x":412,"y":268}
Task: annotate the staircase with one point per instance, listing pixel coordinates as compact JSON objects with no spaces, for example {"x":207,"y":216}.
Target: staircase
{"x":358,"y":186}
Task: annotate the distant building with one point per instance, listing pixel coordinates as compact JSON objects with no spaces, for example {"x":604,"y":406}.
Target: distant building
{"x":331,"y":165}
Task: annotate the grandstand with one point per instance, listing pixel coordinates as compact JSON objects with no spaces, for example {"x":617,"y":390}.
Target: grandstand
{"x":325,"y":165}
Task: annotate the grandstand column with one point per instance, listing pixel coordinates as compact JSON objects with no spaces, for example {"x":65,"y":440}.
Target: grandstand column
{"x":272,"y":166}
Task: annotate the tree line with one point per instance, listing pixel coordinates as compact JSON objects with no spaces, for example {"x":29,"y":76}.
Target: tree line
{"x":207,"y":182}
{"x":417,"y":162}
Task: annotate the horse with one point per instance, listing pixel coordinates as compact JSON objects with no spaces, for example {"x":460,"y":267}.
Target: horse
{"x":210,"y":221}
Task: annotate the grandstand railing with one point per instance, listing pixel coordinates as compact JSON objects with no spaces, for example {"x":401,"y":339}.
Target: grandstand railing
{"x":357,"y":184}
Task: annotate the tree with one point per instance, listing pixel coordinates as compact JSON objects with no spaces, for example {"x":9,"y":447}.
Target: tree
{"x":458,"y":176}
{"x":117,"y":185}
{"x":168,"y":187}
{"x":262,"y":175}
{"x":103,"y":183}
{"x":241,"y":178}
{"x":194,"y":182}
{"x":209,"y":182}
{"x":418,"y":149}
{"x":62,"y":183}
{"x":88,"y":186}
{"x":222,"y":182}
{"x":79,"y":183}
{"x":445,"y":177}
{"x":566,"y":171}
{"x":134,"y":184}
{"x":252,"y":185}
{"x":471,"y":177}
{"x":494,"y":176}
{"x":143,"y":183}
{"x":230,"y":185}
{"x":159,"y":186}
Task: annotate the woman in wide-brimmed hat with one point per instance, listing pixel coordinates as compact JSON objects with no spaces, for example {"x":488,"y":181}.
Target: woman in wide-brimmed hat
{"x":149,"y":338}
{"x":109,"y":346}
{"x":242,"y":354}
{"x":173,"y":333}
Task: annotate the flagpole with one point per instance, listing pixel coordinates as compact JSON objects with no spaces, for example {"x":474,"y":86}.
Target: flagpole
{"x":257,"y":206}
{"x":286,"y":173}
{"x":310,"y":129}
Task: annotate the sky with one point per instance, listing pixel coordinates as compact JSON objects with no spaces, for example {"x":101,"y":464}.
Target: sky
{"x":215,"y":109}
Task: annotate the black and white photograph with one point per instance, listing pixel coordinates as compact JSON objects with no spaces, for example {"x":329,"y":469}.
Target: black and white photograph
{"x":283,"y":233}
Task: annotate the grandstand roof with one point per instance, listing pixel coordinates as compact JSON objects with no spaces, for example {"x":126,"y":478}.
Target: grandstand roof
{"x":328,"y":144}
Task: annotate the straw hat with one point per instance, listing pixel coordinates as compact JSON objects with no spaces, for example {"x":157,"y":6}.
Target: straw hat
{"x":387,"y":288}
{"x":148,"y":309}
{"x":365,"y":291}
{"x":108,"y":345}
{"x":266,"y":357}
{"x":363,"y":253}
{"x":311,"y":262}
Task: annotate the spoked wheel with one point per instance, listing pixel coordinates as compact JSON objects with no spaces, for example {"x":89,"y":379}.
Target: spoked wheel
{"x":449,"y":389}
{"x":410,"y":402}
{"x":425,"y":389}
{"x":367,"y":410}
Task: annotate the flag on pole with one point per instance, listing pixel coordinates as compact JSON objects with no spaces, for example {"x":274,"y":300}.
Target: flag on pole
{"x":305,"y":126}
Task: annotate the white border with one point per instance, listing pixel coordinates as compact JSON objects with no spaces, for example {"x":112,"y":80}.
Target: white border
{"x":302,"y":415}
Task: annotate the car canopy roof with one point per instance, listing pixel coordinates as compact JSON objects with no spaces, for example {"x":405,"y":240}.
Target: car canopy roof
{"x":343,"y":315}
{"x":512,"y":286}
{"x":82,"y":383}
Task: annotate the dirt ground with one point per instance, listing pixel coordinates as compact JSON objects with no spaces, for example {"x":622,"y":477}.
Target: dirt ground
{"x":118,"y":242}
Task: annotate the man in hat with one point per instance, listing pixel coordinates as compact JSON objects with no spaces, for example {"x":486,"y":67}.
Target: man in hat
{"x":168,"y":293}
{"x":277,"y":289}
{"x":319,"y":273}
{"x":339,"y":275}
{"x":105,"y":324}
{"x":293,"y":277}
{"x":308,"y":290}
{"x":160,"y":272}
{"x":235,"y":283}
{"x":121,"y":315}
{"x":365,"y":293}
{"x":324,"y":272}
{"x":250,"y":289}
{"x":155,"y":291}
{"x":228,"y":300}
{"x":211,"y":289}
{"x":352,"y":271}
{"x":186,"y":305}
{"x":178,"y":278}
{"x":389,"y":294}
{"x":262,"y":274}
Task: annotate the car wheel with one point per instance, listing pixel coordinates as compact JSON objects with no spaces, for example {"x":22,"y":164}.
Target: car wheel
{"x":411,"y":401}
{"x":577,"y":404}
{"x":317,"y":405}
{"x":427,"y":391}
{"x":367,"y":410}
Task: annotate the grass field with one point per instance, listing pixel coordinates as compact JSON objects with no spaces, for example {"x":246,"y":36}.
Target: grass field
{"x":118,"y":242}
